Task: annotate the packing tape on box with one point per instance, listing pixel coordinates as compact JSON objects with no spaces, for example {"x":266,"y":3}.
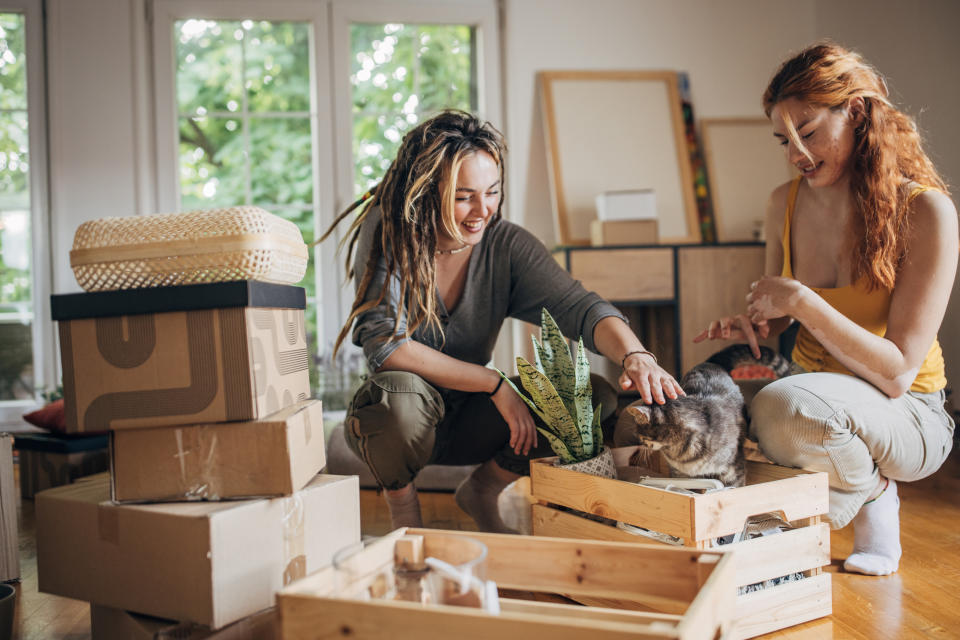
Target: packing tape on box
{"x":197,"y":473}
{"x":294,"y":554}
{"x":307,"y":427}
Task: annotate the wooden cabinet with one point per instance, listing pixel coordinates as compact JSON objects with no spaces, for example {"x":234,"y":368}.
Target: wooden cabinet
{"x":699,"y":282}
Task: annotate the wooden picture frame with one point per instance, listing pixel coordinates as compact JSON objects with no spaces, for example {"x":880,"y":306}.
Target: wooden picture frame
{"x":616,"y":130}
{"x":744,"y":164}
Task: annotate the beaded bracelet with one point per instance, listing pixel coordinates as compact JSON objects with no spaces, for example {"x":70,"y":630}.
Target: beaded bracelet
{"x":623,"y":363}
{"x":496,"y":388}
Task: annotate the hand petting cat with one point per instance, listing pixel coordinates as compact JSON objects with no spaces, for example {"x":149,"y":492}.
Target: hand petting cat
{"x":642,"y":373}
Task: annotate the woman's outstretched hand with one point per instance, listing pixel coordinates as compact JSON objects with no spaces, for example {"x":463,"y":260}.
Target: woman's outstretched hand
{"x":523,"y":431}
{"x":642,"y":373}
{"x":773,"y":297}
{"x":739,"y":328}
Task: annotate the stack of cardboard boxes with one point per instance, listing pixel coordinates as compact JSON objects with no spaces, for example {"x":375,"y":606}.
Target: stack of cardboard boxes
{"x":205,"y":389}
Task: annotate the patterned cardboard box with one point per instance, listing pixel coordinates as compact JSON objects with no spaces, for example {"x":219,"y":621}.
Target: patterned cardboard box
{"x":181,"y":355}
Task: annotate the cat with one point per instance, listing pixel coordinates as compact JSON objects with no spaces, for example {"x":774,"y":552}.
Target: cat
{"x":701,"y":435}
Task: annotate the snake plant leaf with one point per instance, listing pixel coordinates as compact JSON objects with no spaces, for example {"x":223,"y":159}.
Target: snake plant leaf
{"x":545,"y":396}
{"x":530,"y":403}
{"x":583,"y":397}
{"x":597,"y":432}
{"x":555,"y":357}
{"x":558,"y":447}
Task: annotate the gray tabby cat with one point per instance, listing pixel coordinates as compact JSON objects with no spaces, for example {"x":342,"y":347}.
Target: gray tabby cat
{"x":701,"y":435}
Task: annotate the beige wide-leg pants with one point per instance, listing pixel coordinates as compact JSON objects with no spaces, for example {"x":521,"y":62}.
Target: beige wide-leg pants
{"x":847,"y":427}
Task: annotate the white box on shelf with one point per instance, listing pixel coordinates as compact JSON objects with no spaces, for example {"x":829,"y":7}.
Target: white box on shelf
{"x":633,"y":204}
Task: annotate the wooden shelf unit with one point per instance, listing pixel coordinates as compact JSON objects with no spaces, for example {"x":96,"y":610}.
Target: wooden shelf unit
{"x":700,"y":282}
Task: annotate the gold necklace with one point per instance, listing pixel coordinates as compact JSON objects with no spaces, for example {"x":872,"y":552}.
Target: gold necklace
{"x":450,"y":252}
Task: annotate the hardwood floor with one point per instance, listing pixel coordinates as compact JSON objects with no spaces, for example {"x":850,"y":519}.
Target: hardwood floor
{"x":922,"y":600}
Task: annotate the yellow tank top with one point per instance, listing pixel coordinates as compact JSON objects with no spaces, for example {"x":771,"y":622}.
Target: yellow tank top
{"x":869,"y":309}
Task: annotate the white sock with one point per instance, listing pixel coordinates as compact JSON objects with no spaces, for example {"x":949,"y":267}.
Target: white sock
{"x":404,"y":510}
{"x":876,"y":535}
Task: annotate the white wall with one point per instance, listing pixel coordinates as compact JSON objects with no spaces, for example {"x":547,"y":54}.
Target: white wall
{"x":99,"y":157}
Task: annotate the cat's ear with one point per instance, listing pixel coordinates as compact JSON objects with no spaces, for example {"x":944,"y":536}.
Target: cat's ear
{"x":640,"y":413}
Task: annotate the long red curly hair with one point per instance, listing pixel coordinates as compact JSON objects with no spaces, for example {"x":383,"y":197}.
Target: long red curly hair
{"x":887,"y":151}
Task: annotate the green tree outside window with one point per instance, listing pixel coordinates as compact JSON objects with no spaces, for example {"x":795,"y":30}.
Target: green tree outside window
{"x":16,"y":309}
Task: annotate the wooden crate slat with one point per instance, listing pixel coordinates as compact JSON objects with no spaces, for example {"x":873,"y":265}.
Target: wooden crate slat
{"x":306,"y":618}
{"x":559,"y":610}
{"x":724,"y":512}
{"x":781,"y":554}
{"x":758,"y":472}
{"x":548,"y":521}
{"x":759,"y":559}
{"x":783,"y":606}
{"x":585,"y":567}
{"x":710,"y":609}
{"x":794,"y":493}
{"x":663,"y":511}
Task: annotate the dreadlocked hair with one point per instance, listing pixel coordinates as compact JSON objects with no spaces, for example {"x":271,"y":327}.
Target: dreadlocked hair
{"x":416,"y":198}
{"x":887,"y":151}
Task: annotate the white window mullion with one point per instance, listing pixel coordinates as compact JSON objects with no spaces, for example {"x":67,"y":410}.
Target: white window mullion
{"x":43,"y":340}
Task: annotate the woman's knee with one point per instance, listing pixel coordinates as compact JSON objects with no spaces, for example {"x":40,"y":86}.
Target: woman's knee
{"x":789,"y":422}
{"x":391,"y":425}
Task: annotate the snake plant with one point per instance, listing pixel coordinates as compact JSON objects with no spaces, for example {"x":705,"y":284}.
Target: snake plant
{"x":561,"y":394}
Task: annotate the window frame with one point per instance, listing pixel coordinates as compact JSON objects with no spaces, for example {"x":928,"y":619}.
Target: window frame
{"x":45,"y":372}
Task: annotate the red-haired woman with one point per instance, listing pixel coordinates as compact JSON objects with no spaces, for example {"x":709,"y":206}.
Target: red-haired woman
{"x":865,"y":265}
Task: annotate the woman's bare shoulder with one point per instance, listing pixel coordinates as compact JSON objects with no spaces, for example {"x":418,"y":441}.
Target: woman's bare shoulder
{"x":932,"y":211}
{"x":777,"y":202}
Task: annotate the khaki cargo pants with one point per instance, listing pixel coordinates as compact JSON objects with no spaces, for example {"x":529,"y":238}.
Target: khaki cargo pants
{"x":398,"y":423}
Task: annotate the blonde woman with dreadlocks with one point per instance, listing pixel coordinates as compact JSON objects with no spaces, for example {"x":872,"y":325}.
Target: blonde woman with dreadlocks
{"x":437,"y":271}
{"x":865,"y":261}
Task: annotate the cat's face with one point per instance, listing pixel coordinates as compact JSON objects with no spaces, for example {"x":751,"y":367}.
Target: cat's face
{"x":650,"y":435}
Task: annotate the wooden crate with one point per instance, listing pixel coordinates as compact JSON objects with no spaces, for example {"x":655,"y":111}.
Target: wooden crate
{"x":799,"y":497}
{"x":700,"y":583}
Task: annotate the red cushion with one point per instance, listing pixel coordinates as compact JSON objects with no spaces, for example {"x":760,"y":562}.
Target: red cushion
{"x":51,"y":418}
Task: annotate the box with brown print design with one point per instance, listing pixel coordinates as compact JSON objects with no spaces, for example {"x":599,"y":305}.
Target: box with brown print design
{"x":223,"y":352}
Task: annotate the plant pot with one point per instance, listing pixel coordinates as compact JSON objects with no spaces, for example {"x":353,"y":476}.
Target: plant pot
{"x":601,"y":465}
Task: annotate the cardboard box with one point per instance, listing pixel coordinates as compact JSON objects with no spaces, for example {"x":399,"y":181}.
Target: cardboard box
{"x":9,"y":531}
{"x":115,"y":624}
{"x":273,"y":456}
{"x":623,"y":232}
{"x":211,"y":563}
{"x":48,"y":460}
{"x":181,"y":355}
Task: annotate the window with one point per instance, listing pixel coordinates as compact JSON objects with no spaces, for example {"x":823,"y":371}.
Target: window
{"x":249,"y":113}
{"x":25,"y":333}
{"x":399,"y":73}
{"x":245,"y":121}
